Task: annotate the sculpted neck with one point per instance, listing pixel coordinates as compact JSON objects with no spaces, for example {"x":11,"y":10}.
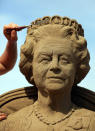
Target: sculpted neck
{"x":59,"y":102}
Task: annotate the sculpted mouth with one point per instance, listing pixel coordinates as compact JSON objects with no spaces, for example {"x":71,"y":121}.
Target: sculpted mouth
{"x":56,"y":77}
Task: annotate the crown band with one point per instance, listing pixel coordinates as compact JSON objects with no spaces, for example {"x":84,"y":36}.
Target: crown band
{"x":65,"y":21}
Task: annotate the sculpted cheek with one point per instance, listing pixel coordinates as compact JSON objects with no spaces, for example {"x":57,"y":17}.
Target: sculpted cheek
{"x":68,"y":72}
{"x":39,"y":73}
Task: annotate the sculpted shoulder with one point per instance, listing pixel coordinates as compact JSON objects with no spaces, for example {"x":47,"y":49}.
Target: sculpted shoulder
{"x":22,"y":113}
{"x":84,"y":112}
{"x":16,"y":120}
{"x":82,"y":119}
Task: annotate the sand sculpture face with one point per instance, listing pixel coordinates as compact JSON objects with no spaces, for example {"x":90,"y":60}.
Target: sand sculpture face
{"x":50,"y":35}
{"x":54,"y":64}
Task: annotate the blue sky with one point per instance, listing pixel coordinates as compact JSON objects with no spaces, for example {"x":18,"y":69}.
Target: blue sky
{"x":23,"y":12}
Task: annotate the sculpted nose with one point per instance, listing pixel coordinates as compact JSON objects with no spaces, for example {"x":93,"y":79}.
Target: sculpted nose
{"x":55,"y":66}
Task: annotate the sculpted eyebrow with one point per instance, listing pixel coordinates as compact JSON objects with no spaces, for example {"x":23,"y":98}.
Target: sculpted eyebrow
{"x":44,"y":54}
{"x":67,"y":56}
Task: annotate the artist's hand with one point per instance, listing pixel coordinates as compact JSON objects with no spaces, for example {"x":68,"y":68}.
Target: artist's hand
{"x":2,"y":116}
{"x":10,"y":34}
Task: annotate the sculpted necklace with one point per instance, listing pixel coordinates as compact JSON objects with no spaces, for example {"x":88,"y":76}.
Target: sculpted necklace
{"x":48,"y":122}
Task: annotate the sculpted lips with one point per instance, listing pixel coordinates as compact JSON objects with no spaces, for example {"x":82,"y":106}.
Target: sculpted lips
{"x":56,"y":78}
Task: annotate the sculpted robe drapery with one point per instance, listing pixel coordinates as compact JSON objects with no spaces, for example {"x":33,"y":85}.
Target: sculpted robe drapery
{"x":24,"y":119}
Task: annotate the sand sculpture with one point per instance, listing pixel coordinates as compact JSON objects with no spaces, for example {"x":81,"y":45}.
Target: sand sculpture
{"x":54,"y":58}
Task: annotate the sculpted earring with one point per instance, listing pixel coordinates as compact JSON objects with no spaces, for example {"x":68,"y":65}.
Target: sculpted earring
{"x":32,"y":80}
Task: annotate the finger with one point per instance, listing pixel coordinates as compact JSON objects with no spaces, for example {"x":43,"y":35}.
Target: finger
{"x":2,"y":114}
{"x":9,"y":33}
{"x":3,"y":117}
{"x":13,"y":35}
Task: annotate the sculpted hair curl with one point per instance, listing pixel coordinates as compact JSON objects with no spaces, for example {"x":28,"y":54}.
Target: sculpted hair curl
{"x":36,"y":33}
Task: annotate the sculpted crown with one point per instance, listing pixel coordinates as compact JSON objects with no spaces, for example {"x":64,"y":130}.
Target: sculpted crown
{"x":65,"y":21}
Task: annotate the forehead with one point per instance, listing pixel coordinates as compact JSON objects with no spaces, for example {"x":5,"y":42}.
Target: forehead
{"x":56,"y":46}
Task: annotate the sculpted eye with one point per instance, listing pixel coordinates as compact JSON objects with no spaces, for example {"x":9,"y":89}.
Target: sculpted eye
{"x":45,"y":60}
{"x":64,"y":61}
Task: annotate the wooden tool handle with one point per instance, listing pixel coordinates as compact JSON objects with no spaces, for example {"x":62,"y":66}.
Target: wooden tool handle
{"x":19,"y":28}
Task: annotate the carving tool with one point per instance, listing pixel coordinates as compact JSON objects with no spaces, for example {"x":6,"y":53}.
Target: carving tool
{"x":19,"y":28}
